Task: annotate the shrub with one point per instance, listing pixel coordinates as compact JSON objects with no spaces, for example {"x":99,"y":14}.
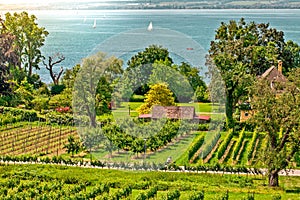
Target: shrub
{"x":57,"y":89}
{"x":173,"y":195}
{"x":59,"y":118}
{"x":137,"y":98}
{"x":203,"y":127}
{"x":12,"y":115}
{"x":197,"y":196}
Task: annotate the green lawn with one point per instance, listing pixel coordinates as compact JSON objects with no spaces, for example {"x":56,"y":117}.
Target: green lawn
{"x":200,"y":108}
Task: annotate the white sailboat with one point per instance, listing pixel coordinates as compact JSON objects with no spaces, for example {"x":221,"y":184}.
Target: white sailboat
{"x":84,"y":19}
{"x":150,"y":27}
{"x":95,"y":23}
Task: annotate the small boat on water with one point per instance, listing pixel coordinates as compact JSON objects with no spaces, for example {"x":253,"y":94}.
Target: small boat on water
{"x":95,"y":23}
{"x":150,"y":27}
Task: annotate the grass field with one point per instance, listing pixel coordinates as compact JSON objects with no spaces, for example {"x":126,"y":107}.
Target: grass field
{"x":69,"y":181}
{"x":200,"y":108}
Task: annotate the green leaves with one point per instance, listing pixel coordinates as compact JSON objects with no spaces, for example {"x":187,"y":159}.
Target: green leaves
{"x":29,"y":38}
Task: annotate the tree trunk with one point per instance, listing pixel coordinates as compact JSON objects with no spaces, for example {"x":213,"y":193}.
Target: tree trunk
{"x":229,"y":110}
{"x":273,"y":179}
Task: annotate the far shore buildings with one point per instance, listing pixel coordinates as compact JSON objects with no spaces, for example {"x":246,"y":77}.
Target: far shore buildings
{"x":273,"y":74}
{"x":175,"y":112}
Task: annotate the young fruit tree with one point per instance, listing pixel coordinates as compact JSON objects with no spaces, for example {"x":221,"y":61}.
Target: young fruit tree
{"x":277,"y":114}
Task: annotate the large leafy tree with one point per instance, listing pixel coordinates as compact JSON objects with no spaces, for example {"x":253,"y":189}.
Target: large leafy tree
{"x":7,"y":57}
{"x":29,"y":39}
{"x":195,"y":80}
{"x":144,"y":59}
{"x":86,"y":86}
{"x":277,"y":114}
{"x":159,"y":94}
{"x":149,"y":56}
{"x":242,"y":51}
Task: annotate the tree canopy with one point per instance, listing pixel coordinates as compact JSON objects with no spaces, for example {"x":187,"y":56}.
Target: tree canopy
{"x":241,"y":51}
{"x":149,"y":56}
{"x":86,"y":84}
{"x":30,"y":38}
{"x":159,"y":94}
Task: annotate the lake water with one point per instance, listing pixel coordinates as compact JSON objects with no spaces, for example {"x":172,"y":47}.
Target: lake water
{"x":71,"y":32}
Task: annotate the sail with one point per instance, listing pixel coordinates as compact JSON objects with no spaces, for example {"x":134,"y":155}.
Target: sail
{"x":150,"y":27}
{"x":95,"y":23}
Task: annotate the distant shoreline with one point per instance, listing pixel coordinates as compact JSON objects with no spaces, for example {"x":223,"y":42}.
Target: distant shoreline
{"x":162,"y":6}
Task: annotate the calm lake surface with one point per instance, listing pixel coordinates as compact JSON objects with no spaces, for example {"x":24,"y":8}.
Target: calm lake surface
{"x":71,"y":32}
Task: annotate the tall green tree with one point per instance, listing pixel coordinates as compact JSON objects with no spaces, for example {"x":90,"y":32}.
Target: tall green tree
{"x":149,"y":56}
{"x":7,"y":56}
{"x":240,"y":52}
{"x":86,"y":84}
{"x":29,"y":39}
{"x":277,"y":114}
{"x":144,"y":59}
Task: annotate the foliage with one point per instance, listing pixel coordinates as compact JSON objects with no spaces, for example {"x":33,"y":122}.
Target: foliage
{"x":58,"y":181}
{"x":30,"y":37}
{"x":137,"y":98}
{"x":201,"y":94}
{"x":173,"y":195}
{"x":238,"y":145}
{"x":210,"y":141}
{"x":59,"y":118}
{"x":12,"y":115}
{"x":7,"y":57}
{"x":197,"y":196}
{"x":145,"y":59}
{"x":277,"y":114}
{"x":69,"y":76}
{"x":40,"y":103}
{"x":252,"y":145}
{"x":72,"y":146}
{"x":24,"y":93}
{"x":195,"y":146}
{"x":87,"y":79}
{"x":57,"y":89}
{"x":178,"y":82}
{"x":159,"y":94}
{"x":240,"y":52}
{"x":225,"y":143}
{"x":149,"y":56}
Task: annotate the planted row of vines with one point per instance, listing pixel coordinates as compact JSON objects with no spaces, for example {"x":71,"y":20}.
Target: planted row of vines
{"x":34,"y":139}
{"x":32,"y":186}
{"x":227,"y":147}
